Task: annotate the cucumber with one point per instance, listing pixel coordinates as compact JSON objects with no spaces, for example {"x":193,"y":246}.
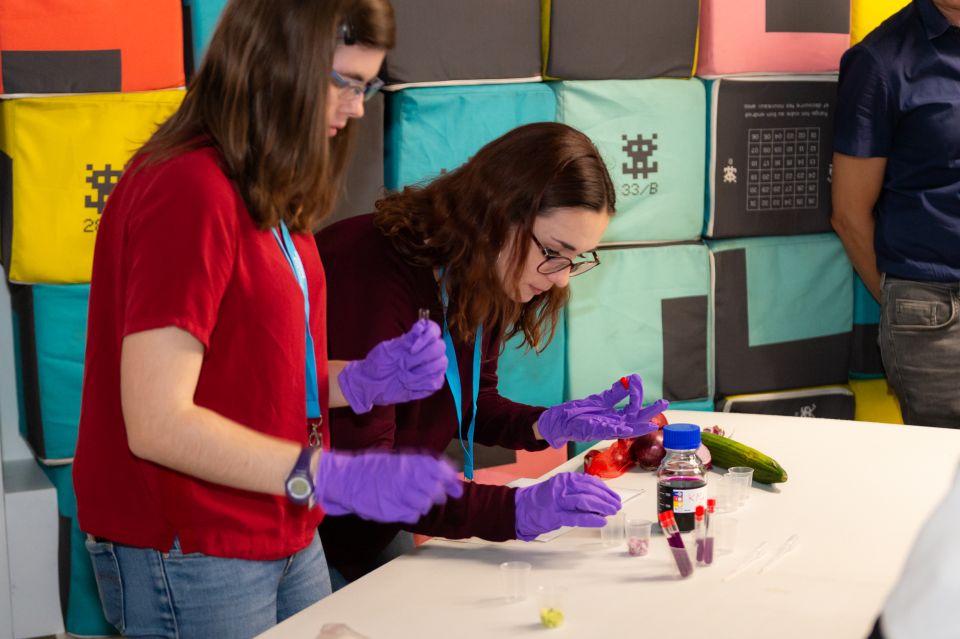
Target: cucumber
{"x":728,"y":453}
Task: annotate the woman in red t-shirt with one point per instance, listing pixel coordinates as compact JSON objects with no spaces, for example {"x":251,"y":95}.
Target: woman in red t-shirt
{"x":489,"y":248}
{"x":206,"y":383}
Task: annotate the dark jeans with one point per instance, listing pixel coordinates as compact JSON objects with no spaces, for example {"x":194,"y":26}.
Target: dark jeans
{"x":920,"y":345}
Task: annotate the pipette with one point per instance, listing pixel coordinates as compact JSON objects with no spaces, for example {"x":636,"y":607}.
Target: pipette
{"x":708,"y":542}
{"x":423,"y":314}
{"x":758,"y":553}
{"x":700,"y":532}
{"x":672,"y":533}
{"x":787,"y":546}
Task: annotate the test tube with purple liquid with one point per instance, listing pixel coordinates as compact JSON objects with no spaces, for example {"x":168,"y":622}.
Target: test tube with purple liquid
{"x":672,"y":533}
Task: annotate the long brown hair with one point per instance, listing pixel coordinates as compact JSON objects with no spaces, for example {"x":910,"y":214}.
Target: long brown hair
{"x":260,"y":97}
{"x":463,"y":219}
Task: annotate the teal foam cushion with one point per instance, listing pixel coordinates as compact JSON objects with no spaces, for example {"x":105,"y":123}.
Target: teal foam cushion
{"x":436,"y":129}
{"x":50,"y":331}
{"x":79,"y":599}
{"x":203,"y":19}
{"x":644,"y":310}
{"x":783,"y":312}
{"x":770,"y":146}
{"x":533,"y":378}
{"x":651,"y":134}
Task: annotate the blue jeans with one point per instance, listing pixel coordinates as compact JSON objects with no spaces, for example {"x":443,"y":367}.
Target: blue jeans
{"x":920,"y":345}
{"x":147,"y":593}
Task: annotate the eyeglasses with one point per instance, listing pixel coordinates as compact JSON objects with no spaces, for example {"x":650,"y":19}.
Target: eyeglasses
{"x":553,"y":262}
{"x":354,"y":89}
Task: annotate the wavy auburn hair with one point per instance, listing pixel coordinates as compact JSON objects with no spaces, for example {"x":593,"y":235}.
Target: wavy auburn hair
{"x":260,"y":97}
{"x":464,"y":219}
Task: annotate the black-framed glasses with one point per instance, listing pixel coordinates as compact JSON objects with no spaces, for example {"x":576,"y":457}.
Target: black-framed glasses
{"x":553,"y":262}
{"x":354,"y":88}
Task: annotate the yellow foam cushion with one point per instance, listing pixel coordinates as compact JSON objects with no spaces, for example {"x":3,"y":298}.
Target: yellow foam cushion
{"x":64,"y":154}
{"x":866,"y":15}
{"x":876,"y":402}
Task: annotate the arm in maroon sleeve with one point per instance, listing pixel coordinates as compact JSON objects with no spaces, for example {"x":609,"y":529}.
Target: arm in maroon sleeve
{"x":500,"y":421}
{"x":484,"y":511}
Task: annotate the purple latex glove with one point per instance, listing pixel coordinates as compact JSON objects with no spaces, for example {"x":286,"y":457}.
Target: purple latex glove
{"x":408,"y":367}
{"x":596,"y":418}
{"x":567,"y":499}
{"x":384,"y":486}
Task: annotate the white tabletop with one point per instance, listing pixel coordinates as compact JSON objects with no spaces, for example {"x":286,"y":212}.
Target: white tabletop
{"x":857,"y":496}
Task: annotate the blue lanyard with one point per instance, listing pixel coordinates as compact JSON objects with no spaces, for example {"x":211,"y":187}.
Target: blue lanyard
{"x":293,"y":259}
{"x":453,"y":379}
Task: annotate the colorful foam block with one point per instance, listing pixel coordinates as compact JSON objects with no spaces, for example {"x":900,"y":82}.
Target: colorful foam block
{"x":651,"y":134}
{"x":866,"y":15}
{"x":644,"y":310}
{"x":50,"y":331}
{"x":769,"y":156}
{"x":436,"y":129}
{"x":65,"y":46}
{"x":619,"y":39}
{"x":865,"y":359}
{"x":772,"y":36}
{"x":79,"y":599}
{"x":51,"y":202}
{"x":783,"y":313}
{"x":829,"y":402}
{"x":464,"y":41}
{"x":364,"y":180}
{"x":201,"y":19}
{"x":529,"y":377}
{"x":876,"y":402}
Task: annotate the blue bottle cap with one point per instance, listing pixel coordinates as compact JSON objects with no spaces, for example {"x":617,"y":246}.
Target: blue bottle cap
{"x":681,"y":436}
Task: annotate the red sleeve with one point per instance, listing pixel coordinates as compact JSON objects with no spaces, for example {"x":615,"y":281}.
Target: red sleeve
{"x":484,"y":511}
{"x":179,"y":248}
{"x":500,"y":421}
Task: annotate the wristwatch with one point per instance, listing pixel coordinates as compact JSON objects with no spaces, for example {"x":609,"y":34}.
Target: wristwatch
{"x":300,"y":480}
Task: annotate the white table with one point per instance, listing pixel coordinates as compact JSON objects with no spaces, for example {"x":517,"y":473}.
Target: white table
{"x":857,"y":495}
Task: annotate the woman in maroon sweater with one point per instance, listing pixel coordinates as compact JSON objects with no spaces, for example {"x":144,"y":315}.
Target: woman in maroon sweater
{"x":487,"y":248}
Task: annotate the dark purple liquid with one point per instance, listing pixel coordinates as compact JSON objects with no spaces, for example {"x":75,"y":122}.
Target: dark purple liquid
{"x":700,"y":549}
{"x":683,"y":561}
{"x":665,"y":490}
{"x":708,"y":551}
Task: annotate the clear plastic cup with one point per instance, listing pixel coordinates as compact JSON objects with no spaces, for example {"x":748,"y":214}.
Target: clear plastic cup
{"x":552,"y":605}
{"x":723,"y":528}
{"x":612,"y":533}
{"x":742,"y":478}
{"x":638,"y":536}
{"x":515,"y":575}
{"x":725,"y":492}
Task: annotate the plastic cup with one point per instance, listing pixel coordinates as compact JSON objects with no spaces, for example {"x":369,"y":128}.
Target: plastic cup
{"x":515,"y":576}
{"x":725,"y":492}
{"x":724,"y":531}
{"x":612,"y":533}
{"x":742,"y":478}
{"x":638,"y":536}
{"x":552,"y":605}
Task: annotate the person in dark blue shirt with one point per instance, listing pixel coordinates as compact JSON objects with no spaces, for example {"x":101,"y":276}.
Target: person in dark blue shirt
{"x":896,"y":197}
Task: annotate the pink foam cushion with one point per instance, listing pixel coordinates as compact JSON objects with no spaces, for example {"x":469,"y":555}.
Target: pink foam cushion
{"x":733,"y":39}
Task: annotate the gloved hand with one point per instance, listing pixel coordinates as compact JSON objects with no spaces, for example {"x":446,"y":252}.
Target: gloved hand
{"x":595,"y":418}
{"x":408,"y":367}
{"x":567,"y":499}
{"x":384,"y":486}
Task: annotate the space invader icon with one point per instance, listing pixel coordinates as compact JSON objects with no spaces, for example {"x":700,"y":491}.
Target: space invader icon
{"x":102,"y":182}
{"x":639,"y":150}
{"x":729,"y":172}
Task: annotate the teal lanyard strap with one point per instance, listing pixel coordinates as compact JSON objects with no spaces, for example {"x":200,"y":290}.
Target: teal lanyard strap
{"x":453,"y":379}
{"x":296,"y":265}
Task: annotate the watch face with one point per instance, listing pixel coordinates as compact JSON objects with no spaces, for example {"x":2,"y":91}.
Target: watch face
{"x":299,"y":488}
